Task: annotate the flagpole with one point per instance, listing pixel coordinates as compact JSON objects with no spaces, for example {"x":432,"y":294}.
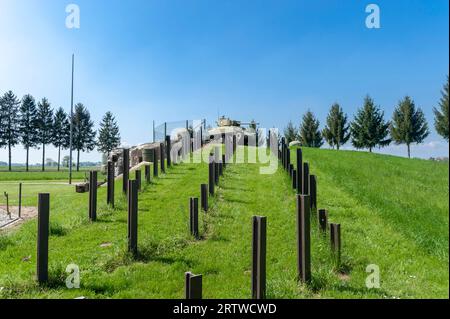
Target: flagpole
{"x":71,"y":123}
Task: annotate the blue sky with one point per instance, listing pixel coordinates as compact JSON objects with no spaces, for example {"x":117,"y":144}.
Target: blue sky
{"x":190,"y":59}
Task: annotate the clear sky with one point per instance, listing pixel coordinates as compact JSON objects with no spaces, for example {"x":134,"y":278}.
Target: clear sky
{"x":190,"y":59}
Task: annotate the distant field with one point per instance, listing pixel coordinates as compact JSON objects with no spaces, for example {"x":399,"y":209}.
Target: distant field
{"x":393,"y":212}
{"x":19,"y":173}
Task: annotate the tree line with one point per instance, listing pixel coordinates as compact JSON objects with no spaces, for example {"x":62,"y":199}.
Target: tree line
{"x":369,"y":129}
{"x":37,"y":125}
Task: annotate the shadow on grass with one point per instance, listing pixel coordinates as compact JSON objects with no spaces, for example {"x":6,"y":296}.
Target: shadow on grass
{"x":57,"y":230}
{"x":5,"y":241}
{"x":150,"y":251}
{"x":234,"y":188}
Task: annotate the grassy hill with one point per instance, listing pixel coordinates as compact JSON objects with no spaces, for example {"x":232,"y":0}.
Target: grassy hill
{"x":393,"y":211}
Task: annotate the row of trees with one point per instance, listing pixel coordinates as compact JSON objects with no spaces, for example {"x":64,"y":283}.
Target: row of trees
{"x":38,"y":125}
{"x":369,"y":129}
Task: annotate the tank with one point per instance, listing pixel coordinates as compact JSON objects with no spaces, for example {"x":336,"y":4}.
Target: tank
{"x":227,"y":125}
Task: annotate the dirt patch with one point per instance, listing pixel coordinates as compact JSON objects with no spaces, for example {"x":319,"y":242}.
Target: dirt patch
{"x":343,"y":277}
{"x":11,"y":219}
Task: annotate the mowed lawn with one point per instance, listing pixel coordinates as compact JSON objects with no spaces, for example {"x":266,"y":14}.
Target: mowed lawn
{"x":393,"y":212}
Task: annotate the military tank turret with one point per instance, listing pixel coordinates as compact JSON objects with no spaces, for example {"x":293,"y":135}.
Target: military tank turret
{"x":226,"y":125}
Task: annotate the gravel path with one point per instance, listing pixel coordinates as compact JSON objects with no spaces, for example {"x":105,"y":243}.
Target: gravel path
{"x":6,"y":220}
{"x":4,"y":217}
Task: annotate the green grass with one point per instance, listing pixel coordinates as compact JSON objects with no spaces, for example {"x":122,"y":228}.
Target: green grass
{"x":391,"y":215}
{"x":35,"y":174}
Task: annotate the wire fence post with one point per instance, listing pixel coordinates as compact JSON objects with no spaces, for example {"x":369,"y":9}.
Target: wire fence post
{"x":20,"y":200}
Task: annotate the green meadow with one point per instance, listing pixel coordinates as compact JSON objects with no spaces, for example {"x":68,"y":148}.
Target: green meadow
{"x":393,"y":212}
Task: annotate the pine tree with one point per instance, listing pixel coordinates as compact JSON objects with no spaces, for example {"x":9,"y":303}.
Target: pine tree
{"x":108,"y":134}
{"x":2,"y":125}
{"x":290,"y":133}
{"x":9,"y":115}
{"x":45,"y":126}
{"x":369,"y":128}
{"x":336,"y":131}
{"x":83,"y":138}
{"x":310,"y":135}
{"x":61,"y":132}
{"x":441,"y":117}
{"x":28,"y":124}
{"x":408,"y":124}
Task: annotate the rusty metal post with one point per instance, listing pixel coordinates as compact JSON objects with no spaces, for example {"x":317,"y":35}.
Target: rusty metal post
{"x":294,"y":179}
{"x":259,"y":257}
{"x":220,"y":169}
{"x":132,"y":217}
{"x":193,"y":286}
{"x":211,"y":175}
{"x":155,"y":163}
{"x":162,"y":160}
{"x":224,"y":162}
{"x":110,"y":184}
{"x":126,"y":169}
{"x":42,"y":237}
{"x":323,"y":220}
{"x":335,"y":236}
{"x":93,"y":196}
{"x":299,"y":170}
{"x":305,"y":183}
{"x":313,"y":193}
{"x":216,"y":165}
{"x":204,"y":196}
{"x":20,"y":200}
{"x":138,"y":177}
{"x":288,"y":159}
{"x":193,"y":213}
{"x":148,"y":177}
{"x":168,"y":149}
{"x":7,"y":204}
{"x":303,"y":238}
